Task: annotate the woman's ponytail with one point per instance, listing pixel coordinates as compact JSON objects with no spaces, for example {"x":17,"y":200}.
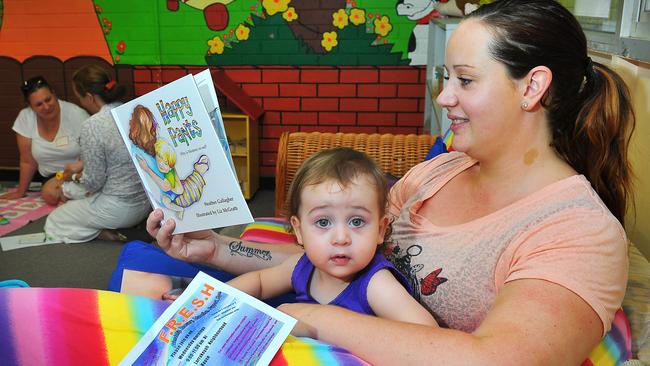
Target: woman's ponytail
{"x":604,"y":125}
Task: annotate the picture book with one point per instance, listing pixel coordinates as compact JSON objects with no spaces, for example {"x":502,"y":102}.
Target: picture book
{"x":181,"y":154}
{"x":212,"y":323}
{"x":209,"y":95}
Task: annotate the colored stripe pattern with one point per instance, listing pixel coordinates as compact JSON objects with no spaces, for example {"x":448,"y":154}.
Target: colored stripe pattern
{"x":616,"y":347}
{"x":268,"y":230}
{"x":57,"y":326}
{"x":192,"y":189}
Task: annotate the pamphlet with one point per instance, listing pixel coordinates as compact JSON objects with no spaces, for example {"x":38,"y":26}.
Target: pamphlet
{"x":180,"y":154}
{"x":26,"y":240}
{"x":212,"y":323}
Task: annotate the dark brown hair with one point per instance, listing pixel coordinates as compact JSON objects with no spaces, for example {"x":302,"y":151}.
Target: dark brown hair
{"x":588,"y":105}
{"x":95,"y":80}
{"x":31,"y":85}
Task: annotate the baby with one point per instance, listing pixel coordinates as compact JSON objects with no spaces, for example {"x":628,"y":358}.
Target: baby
{"x":337,"y":208}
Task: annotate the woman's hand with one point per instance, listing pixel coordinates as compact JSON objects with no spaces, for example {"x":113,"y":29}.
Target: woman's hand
{"x":12,"y":196}
{"x":72,"y":168}
{"x":198,"y":246}
{"x":302,"y":313}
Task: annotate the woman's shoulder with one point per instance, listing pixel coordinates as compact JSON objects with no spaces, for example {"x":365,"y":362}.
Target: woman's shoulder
{"x":572,"y":192}
{"x":26,"y":115}
{"x":575,"y":204}
{"x":25,"y":122}
{"x":72,"y":112}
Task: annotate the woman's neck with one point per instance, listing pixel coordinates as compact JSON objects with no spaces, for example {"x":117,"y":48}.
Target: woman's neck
{"x":48,"y":128}
{"x":519,"y":174}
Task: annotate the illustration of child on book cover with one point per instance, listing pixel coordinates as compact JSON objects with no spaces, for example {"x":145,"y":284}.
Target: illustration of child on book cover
{"x":158,"y":159}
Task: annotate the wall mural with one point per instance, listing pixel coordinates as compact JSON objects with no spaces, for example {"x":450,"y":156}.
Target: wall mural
{"x":229,"y":32}
{"x":267,"y":32}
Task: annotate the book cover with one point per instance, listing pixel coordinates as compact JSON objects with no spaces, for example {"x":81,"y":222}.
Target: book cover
{"x":180,"y":157}
{"x":212,"y":323}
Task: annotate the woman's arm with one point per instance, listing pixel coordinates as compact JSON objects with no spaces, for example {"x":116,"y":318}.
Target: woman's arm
{"x":390,"y":300}
{"x":229,"y":254}
{"x":269,"y":282}
{"x":28,"y":166}
{"x":532,"y":322}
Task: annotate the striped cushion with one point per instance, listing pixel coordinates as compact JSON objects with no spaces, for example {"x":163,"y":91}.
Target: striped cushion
{"x":637,"y":304}
{"x":616,"y":347}
{"x":273,"y":230}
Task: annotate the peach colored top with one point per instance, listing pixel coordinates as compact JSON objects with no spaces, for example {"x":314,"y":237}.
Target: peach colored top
{"x":562,"y":233}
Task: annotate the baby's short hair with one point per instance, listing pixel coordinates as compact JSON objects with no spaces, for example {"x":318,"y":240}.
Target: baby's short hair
{"x":341,"y":164}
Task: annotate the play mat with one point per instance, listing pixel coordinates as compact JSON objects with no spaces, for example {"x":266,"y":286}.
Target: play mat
{"x":21,"y":212}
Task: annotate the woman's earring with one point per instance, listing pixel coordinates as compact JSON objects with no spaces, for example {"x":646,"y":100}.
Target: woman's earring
{"x":524,"y":105}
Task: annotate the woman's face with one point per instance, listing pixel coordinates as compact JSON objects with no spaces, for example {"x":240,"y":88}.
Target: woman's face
{"x":44,"y":103}
{"x":482,"y":102}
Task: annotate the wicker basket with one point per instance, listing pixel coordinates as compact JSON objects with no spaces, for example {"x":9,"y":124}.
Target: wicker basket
{"x":395,"y":154}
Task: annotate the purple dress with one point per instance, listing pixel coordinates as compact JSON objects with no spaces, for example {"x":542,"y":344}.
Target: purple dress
{"x":355,"y":296}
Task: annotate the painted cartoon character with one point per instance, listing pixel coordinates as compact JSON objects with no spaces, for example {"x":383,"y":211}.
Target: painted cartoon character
{"x":214,"y":11}
{"x":420,"y":11}
{"x":457,"y":8}
{"x":158,"y":159}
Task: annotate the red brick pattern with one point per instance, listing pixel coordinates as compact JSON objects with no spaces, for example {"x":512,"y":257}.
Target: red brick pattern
{"x":363,"y":99}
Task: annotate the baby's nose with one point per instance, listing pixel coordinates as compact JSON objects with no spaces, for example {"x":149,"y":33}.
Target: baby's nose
{"x":341,"y":235}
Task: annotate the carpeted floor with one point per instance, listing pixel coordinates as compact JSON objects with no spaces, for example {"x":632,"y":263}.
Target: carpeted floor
{"x":88,"y":265}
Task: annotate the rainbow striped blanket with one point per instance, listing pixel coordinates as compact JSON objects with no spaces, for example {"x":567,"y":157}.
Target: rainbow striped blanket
{"x":61,"y":326}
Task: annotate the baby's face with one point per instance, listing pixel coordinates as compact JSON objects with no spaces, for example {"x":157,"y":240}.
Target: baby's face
{"x":162,"y":164}
{"x":340,"y":228}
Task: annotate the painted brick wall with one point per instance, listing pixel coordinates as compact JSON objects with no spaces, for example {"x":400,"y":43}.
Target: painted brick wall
{"x":384,"y":99}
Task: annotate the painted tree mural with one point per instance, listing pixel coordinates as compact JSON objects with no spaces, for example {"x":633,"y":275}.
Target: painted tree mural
{"x":261,"y":32}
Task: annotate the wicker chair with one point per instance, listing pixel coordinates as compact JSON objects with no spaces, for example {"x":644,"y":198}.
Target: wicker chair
{"x":395,"y":154}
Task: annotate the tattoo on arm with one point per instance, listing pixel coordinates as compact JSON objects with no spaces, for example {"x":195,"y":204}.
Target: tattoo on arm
{"x":237,"y":247}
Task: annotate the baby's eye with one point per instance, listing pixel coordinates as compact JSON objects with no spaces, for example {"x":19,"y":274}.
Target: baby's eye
{"x":322,"y":223}
{"x":357,"y":222}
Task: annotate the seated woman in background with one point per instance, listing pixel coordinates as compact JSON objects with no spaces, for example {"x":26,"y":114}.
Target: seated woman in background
{"x":117,"y":199}
{"x":47,"y":133}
